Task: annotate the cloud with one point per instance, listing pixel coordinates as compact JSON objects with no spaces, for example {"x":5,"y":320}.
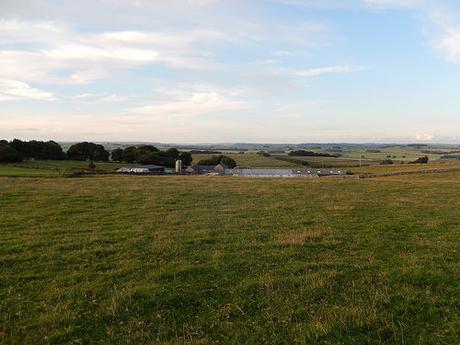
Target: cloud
{"x":102,"y":97}
{"x":391,"y":3}
{"x":424,"y":137}
{"x":314,"y":72}
{"x":193,"y":105}
{"x":17,"y":90}
{"x":53,"y":49}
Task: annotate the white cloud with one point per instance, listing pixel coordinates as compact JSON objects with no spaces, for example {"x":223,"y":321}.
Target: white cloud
{"x":102,"y":97}
{"x":17,"y":90}
{"x":424,"y":136}
{"x":195,"y":104}
{"x":40,"y":51}
{"x":314,"y":72}
{"x":391,"y":3}
{"x":448,"y":44}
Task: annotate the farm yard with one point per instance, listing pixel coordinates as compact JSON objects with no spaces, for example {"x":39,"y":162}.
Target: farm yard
{"x":117,"y":260}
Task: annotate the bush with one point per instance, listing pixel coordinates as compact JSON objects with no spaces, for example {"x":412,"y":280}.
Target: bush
{"x":386,"y":162}
{"x":421,"y":160}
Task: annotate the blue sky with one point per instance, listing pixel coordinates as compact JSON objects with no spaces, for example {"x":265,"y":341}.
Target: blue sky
{"x":203,"y":71}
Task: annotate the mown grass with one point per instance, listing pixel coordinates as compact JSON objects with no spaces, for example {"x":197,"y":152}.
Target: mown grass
{"x":201,"y":260}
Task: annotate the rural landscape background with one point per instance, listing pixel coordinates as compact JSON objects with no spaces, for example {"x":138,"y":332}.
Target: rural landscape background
{"x":230,"y":172}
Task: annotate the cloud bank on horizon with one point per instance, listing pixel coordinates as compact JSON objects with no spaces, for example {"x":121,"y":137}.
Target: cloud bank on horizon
{"x":230,"y":70}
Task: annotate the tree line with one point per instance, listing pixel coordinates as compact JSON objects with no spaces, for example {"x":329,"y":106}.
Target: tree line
{"x":148,"y":154}
{"x":18,"y":150}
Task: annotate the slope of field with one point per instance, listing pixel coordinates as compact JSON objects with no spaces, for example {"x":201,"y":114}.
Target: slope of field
{"x":45,"y":168}
{"x":398,"y":168}
{"x":118,"y":260}
{"x":250,"y":160}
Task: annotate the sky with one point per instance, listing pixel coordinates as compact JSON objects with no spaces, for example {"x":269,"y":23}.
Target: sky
{"x":222,"y":71}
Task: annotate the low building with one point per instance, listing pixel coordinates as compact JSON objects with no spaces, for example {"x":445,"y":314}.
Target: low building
{"x":200,"y":169}
{"x":143,"y":170}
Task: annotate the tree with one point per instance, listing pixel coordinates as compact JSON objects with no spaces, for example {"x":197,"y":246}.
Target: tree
{"x":421,"y":160}
{"x":88,"y":151}
{"x":143,"y":150}
{"x":79,"y":152}
{"x":117,"y":155}
{"x":173,"y":152}
{"x":215,"y":160}
{"x":39,"y":149}
{"x":100,"y":154}
{"x":228,"y":162}
{"x":129,"y":154}
{"x":304,"y":153}
{"x":186,"y":158}
{"x":157,"y":158}
{"x":8,"y":154}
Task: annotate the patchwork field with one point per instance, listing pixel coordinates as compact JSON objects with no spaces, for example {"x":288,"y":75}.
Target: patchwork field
{"x":199,"y":260}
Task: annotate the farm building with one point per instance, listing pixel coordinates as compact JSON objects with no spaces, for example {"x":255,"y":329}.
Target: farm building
{"x":143,"y":170}
{"x":287,"y":173}
{"x":320,"y":172}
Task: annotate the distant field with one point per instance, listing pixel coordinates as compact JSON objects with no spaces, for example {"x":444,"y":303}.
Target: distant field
{"x":331,"y":162}
{"x":205,"y":260}
{"x":50,"y":168}
{"x":395,"y":168}
{"x":250,"y":160}
{"x":397,"y":153}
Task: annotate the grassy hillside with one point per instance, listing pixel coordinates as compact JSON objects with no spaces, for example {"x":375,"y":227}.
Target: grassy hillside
{"x":120,"y":260}
{"x":45,"y":168}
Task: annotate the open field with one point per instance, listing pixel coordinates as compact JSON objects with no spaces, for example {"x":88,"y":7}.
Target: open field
{"x":44,"y":168}
{"x":397,"y":168}
{"x":331,"y":162}
{"x":250,"y":160}
{"x":122,"y":260}
{"x":401,"y":153}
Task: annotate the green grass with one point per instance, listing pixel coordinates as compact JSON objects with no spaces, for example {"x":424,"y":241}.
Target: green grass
{"x":146,"y":260}
{"x":45,"y":168}
{"x":397,"y":168}
{"x":250,"y":160}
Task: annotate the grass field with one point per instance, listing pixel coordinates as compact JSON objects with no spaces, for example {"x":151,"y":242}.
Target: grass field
{"x":44,"y":168}
{"x":250,"y":160}
{"x":397,"y":168}
{"x":118,"y":260}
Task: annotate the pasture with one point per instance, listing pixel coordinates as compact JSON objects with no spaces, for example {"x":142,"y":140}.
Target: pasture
{"x":51,"y":168}
{"x":201,"y":260}
{"x":250,"y":160}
